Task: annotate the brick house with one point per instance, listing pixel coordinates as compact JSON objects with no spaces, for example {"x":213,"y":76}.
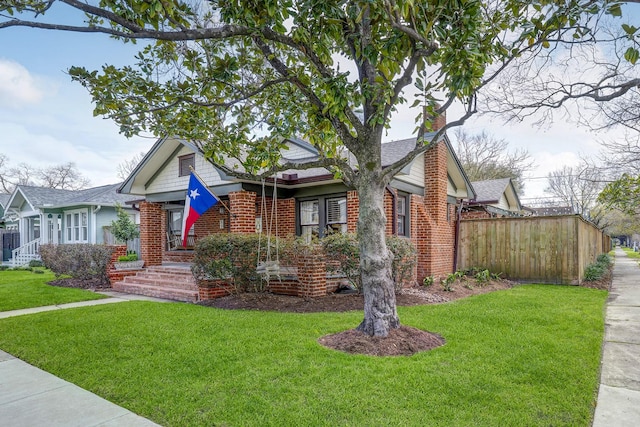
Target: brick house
{"x":421,"y":202}
{"x":495,"y":198}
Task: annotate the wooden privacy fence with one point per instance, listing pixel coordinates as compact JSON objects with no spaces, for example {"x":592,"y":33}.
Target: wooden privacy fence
{"x":550,"y":249}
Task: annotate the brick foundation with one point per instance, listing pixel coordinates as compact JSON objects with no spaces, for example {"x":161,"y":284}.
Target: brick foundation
{"x":118,"y":275}
{"x":153,"y":227}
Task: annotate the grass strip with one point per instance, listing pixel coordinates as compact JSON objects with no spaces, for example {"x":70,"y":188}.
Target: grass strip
{"x":631,"y":253}
{"x":25,"y":289}
{"x":526,"y":356}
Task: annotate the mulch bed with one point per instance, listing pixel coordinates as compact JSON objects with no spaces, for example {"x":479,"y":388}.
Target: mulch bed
{"x":88,"y":284}
{"x":402,"y":341}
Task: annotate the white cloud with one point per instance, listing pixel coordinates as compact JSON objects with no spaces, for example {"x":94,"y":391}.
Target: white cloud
{"x":17,"y":86}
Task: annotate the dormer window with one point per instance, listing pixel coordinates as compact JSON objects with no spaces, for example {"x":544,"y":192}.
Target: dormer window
{"x":184,"y":162}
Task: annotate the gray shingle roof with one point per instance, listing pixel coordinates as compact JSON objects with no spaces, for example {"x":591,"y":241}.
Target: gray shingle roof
{"x":550,"y":211}
{"x":391,"y":152}
{"x":4,"y":198}
{"x":41,"y":197}
{"x":490,"y":190}
{"x":395,"y":150}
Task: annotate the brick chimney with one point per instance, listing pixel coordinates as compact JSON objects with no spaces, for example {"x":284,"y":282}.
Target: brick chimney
{"x":435,"y":181}
{"x":437,"y":122}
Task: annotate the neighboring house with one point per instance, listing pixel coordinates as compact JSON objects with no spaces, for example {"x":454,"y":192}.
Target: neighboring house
{"x":48,"y":215}
{"x":4,"y":198}
{"x":420,"y":202}
{"x":495,"y":198}
{"x":551,"y":211}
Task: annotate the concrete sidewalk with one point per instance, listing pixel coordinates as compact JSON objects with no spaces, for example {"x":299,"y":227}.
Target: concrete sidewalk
{"x":31,"y":397}
{"x":114,"y":297}
{"x":619,"y":394}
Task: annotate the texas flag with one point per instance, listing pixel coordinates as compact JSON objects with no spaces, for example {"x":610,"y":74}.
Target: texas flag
{"x":199,"y":200}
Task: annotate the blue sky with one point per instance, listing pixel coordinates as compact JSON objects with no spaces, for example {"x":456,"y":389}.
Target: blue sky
{"x":46,"y":119}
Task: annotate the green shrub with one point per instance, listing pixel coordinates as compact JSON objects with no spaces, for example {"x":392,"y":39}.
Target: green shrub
{"x":594,"y":272}
{"x":35,"y":263}
{"x":598,"y":269}
{"x":130,"y":256}
{"x":604,"y":259}
{"x":428,"y":281}
{"x":451,"y":278}
{"x":482,"y":276}
{"x":81,"y":261}
{"x":4,"y":267}
{"x":38,"y":271}
{"x":342,"y":252}
{"x":123,"y":229}
{"x":405,"y":258}
{"x":235,"y":258}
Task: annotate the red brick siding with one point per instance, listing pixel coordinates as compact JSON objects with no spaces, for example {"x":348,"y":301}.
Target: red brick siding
{"x":243,"y":212}
{"x":353,"y":210}
{"x":118,"y":275}
{"x":435,"y":185}
{"x":389,"y":199}
{"x":152,"y":233}
{"x":209,"y":222}
{"x":431,"y":227}
{"x":285,"y":213}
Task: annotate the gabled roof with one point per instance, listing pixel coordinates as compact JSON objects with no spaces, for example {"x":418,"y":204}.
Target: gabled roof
{"x":165,"y":148}
{"x":491,"y":192}
{"x":4,"y":199}
{"x":41,"y":197}
{"x":396,"y":150}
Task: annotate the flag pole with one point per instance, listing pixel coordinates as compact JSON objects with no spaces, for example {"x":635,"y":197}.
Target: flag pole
{"x":215,"y":195}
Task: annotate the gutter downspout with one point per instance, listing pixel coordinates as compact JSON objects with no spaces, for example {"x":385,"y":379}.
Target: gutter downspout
{"x":457,"y":236}
{"x":94,"y":225}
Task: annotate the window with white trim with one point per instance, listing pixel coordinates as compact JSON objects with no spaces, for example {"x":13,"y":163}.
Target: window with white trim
{"x":185,"y":163}
{"x":77,"y":226}
{"x":309,"y":218}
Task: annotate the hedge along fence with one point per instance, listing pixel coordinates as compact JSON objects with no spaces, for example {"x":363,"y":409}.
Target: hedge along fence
{"x":231,"y":260}
{"x":555,"y":249}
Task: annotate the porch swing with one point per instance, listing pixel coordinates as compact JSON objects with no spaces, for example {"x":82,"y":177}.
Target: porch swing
{"x":270,"y":267}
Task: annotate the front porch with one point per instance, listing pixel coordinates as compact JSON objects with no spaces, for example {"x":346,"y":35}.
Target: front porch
{"x":173,"y":279}
{"x":24,"y":254}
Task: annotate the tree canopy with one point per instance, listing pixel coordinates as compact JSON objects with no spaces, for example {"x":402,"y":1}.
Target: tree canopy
{"x":237,"y":77}
{"x":63,"y":176}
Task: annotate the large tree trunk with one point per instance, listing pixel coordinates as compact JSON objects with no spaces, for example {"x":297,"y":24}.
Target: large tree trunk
{"x":380,"y":313}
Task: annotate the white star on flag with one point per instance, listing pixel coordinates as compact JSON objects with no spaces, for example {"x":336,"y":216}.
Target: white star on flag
{"x":194,"y":194}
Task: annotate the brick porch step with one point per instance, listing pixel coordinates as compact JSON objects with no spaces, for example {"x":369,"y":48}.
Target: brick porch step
{"x":170,"y":282}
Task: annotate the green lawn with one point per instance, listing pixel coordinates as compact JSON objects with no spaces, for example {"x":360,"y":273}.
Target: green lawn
{"x":523,"y":357}
{"x":631,"y":253}
{"x":25,"y":289}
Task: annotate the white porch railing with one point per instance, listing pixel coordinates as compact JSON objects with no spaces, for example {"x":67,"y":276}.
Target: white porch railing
{"x":25,"y":253}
